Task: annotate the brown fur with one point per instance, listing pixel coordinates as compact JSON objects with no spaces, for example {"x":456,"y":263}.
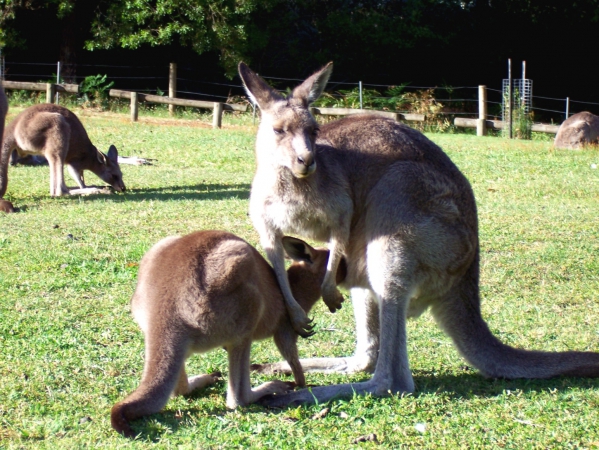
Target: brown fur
{"x":6,"y":206}
{"x":392,"y":202}
{"x":3,"y":110}
{"x":55,"y":132}
{"x":207,"y":290}
{"x":577,"y":131}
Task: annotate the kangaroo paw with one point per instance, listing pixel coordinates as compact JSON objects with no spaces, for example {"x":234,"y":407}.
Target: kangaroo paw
{"x":301,"y":323}
{"x":332,"y":298}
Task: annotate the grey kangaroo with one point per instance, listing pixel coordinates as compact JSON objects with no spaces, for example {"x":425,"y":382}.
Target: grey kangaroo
{"x":212,"y":289}
{"x":57,"y":133}
{"x":393,"y":203}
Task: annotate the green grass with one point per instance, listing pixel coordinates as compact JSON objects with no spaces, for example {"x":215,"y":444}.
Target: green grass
{"x":70,"y":348}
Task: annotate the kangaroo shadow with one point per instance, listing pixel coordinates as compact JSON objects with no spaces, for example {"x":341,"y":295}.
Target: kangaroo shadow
{"x":153,"y":427}
{"x":199,"y":191}
{"x":468,"y":384}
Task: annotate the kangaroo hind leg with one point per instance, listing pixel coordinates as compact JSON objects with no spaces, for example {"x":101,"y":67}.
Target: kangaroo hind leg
{"x":164,"y":365}
{"x":56,"y":149}
{"x":240,"y":392}
{"x":393,"y":285}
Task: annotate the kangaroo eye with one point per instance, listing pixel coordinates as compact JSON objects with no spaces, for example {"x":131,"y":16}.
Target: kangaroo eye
{"x":315,"y":131}
{"x":279,"y":131}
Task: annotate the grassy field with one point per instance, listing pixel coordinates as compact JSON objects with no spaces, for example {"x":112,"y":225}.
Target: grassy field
{"x":70,"y":348}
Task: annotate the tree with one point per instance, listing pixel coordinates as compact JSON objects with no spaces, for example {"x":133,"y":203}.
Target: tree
{"x":204,"y":25}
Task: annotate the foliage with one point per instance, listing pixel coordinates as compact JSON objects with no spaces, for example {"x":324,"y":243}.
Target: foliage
{"x":394,"y":99}
{"x":206,"y":25}
{"x":94,"y":90}
{"x":70,"y":348}
{"x":522,"y":119}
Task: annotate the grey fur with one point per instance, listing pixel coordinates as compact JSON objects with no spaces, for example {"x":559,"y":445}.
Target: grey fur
{"x":577,"y":131}
{"x":392,"y":202}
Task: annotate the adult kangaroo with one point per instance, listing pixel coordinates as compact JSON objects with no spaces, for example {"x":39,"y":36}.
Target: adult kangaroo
{"x":393,"y":203}
{"x":212,"y":289}
{"x":55,"y":132}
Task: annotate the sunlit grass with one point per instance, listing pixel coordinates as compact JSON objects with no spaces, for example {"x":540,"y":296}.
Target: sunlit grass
{"x":70,"y":348}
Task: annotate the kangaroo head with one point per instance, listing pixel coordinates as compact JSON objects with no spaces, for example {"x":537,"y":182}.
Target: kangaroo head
{"x":110,"y":171}
{"x":308,"y":269}
{"x":287,"y":132}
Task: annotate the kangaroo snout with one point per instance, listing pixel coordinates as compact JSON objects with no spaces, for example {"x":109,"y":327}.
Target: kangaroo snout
{"x":119,"y":186}
{"x":305,"y":165}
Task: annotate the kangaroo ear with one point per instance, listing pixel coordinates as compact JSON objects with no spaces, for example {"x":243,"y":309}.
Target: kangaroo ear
{"x":312,"y":88}
{"x":297,"y":249}
{"x":258,"y":90}
{"x":101,"y":156}
{"x":113,"y":154}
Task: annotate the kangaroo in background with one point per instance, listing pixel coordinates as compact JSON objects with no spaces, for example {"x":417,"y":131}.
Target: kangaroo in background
{"x":57,"y":133}
{"x":212,"y":289}
{"x":577,"y":131}
{"x":393,"y":203}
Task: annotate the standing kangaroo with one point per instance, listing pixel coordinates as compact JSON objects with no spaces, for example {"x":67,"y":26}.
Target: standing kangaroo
{"x":394,"y":204}
{"x":212,"y":289}
{"x":55,"y":132}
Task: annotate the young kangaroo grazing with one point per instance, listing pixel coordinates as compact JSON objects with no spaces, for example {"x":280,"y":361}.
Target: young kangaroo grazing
{"x":212,"y":289}
{"x":403,"y":215}
{"x":55,"y":132}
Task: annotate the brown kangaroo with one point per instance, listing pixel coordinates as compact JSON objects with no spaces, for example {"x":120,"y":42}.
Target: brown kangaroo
{"x":3,"y":110}
{"x":5,"y":205}
{"x":393,"y":203}
{"x":55,"y":132}
{"x":212,"y":289}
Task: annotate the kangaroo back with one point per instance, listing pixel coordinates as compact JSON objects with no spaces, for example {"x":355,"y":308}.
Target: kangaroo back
{"x":577,"y":131}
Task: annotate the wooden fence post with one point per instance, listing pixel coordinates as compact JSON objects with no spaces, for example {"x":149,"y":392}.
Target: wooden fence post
{"x":172,"y":86}
{"x":50,"y":92}
{"x":481,"y":123}
{"x":134,"y":107}
{"x":217,"y":119}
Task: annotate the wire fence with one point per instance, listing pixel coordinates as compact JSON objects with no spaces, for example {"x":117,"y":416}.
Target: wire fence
{"x":203,"y":83}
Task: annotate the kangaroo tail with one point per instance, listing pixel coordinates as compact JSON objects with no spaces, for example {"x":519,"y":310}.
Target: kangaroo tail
{"x":164,"y":364}
{"x":460,"y":317}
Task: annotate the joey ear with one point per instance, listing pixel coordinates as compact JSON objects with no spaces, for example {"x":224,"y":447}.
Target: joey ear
{"x":258,"y":89}
{"x":297,"y":249}
{"x":313,"y":87}
{"x":113,"y":154}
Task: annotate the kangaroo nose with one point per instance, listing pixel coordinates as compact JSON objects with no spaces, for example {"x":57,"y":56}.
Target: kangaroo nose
{"x":307,"y":160}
